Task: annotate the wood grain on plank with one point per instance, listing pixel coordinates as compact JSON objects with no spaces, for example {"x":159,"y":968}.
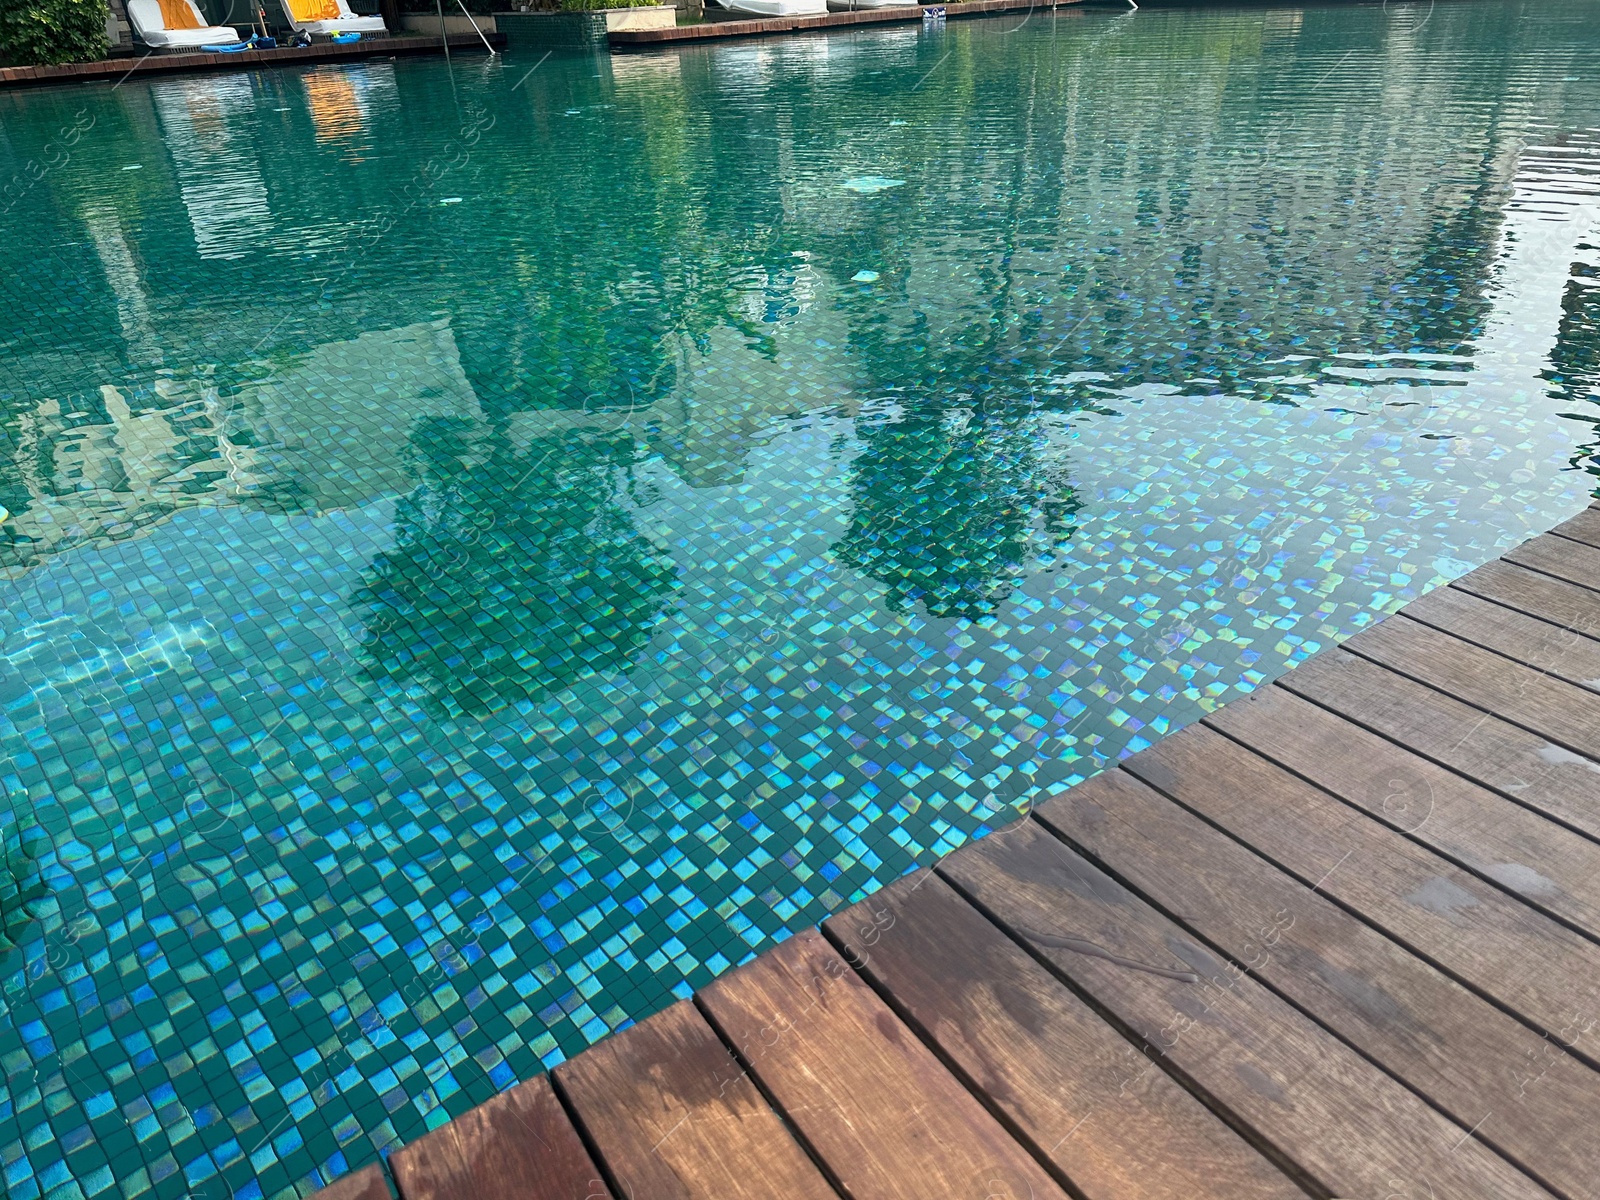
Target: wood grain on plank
{"x":1558,"y":650}
{"x":518,"y":1146}
{"x":1489,"y":940}
{"x":1323,"y":1106}
{"x":674,"y":1117}
{"x":1572,"y":561}
{"x":1585,"y":527}
{"x":1553,"y":600}
{"x":1115,"y":1125}
{"x":1511,"y":760}
{"x":1564,"y":713}
{"x":1491,"y":1073}
{"x":1543,"y":863}
{"x":877,"y":1106}
{"x":366,"y":1184}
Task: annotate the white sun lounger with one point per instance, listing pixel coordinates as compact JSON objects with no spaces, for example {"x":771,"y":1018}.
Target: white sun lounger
{"x":776,"y":8}
{"x":345,"y":22}
{"x":145,"y":17}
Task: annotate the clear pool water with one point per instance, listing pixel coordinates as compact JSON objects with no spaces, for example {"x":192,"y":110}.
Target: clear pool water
{"x":490,"y":545}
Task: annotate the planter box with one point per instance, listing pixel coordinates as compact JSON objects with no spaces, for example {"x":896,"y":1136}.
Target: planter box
{"x":587,"y":30}
{"x":658,"y":16}
{"x":454,"y":24}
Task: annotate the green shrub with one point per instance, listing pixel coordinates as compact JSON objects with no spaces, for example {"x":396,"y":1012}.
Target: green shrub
{"x":33,"y":32}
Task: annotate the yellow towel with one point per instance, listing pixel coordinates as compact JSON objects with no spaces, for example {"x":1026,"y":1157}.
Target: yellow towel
{"x":313,"y":10}
{"x":177,"y":14}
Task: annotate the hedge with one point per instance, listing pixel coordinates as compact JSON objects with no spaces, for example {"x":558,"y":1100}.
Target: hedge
{"x":34,"y":32}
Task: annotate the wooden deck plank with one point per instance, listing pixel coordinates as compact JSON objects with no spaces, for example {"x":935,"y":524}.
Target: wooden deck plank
{"x":1585,"y":527}
{"x":1564,"y":713}
{"x":1522,"y":765}
{"x":718,"y":28}
{"x":1352,"y":1127}
{"x":1521,"y":1094}
{"x":674,"y":1117}
{"x":888,"y":1118}
{"x":1113,"y":1123}
{"x":1569,"y":560}
{"x":1541,"y":862}
{"x":518,"y":1146}
{"x":387,"y":45}
{"x":1487,"y":939}
{"x":1553,"y":600}
{"x":1558,"y":650}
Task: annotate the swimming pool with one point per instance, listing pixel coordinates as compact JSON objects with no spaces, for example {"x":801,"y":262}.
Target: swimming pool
{"x":491,"y":545}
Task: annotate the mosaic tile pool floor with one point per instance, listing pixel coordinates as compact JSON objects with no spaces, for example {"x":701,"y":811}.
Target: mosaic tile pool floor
{"x":487,"y":547}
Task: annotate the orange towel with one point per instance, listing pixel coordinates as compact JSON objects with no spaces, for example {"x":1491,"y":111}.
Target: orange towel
{"x":336,"y":112}
{"x":176,"y":14}
{"x":314,"y":10}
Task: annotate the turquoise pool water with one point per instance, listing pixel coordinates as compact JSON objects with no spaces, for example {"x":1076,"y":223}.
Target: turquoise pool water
{"x":488,"y":546}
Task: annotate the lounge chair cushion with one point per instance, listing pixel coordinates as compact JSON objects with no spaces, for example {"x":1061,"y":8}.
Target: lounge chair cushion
{"x":148,"y":21}
{"x":180,"y":14}
{"x":329,"y":16}
{"x":350,"y":24}
{"x":305,"y":11}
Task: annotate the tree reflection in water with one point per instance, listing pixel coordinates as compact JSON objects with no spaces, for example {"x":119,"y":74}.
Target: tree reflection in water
{"x":1573,"y":373}
{"x":23,"y":891}
{"x":953,"y":505}
{"x":514,"y":574}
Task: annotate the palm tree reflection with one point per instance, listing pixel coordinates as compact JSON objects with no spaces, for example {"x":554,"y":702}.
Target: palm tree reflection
{"x":23,"y":890}
{"x":515,"y":573}
{"x":951,"y":503}
{"x":1573,"y":372}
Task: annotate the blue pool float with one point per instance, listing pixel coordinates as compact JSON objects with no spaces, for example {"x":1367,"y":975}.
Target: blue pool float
{"x":339,"y":39}
{"x":249,"y":43}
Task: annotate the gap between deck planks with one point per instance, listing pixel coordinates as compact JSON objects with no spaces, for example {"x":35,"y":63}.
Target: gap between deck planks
{"x":1340,"y":938}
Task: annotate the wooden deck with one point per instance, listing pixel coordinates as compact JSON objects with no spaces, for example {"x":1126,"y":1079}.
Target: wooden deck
{"x":721,"y":25}
{"x":115,"y":70}
{"x":1338,"y":939}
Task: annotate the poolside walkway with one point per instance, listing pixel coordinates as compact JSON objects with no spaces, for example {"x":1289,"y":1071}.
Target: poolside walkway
{"x":724,"y":25}
{"x":1338,"y":939}
{"x":115,"y":70}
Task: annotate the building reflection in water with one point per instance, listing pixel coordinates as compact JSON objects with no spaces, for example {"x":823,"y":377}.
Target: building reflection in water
{"x":205,"y":127}
{"x":329,"y":430}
